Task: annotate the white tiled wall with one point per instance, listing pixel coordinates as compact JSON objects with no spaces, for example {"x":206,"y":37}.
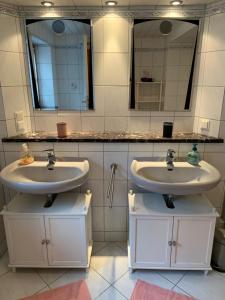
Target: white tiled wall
{"x":13,"y":82}
{"x":111,"y":47}
{"x":111,"y":60}
{"x":111,"y":37}
{"x":13,"y":88}
{"x":210,"y":76}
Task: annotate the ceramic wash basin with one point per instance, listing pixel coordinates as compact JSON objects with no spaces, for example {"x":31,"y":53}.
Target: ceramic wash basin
{"x":37,"y":179}
{"x":185,"y":178}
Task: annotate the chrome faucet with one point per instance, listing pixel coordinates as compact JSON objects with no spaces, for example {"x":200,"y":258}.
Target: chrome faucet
{"x":51,"y":159}
{"x":170,"y":159}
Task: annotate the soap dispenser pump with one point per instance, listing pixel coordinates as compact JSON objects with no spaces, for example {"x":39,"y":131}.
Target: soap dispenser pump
{"x":26,"y":155}
{"x":193,"y":157}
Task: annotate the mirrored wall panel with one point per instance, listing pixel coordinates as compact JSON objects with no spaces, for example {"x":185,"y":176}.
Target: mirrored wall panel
{"x":60,"y":61}
{"x":163,"y":64}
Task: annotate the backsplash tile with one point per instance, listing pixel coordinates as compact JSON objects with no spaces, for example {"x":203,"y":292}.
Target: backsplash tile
{"x":116,"y":124}
{"x":93,"y":124}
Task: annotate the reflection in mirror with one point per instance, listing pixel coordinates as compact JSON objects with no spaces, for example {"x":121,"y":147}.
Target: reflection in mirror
{"x":60,"y":64}
{"x":163,"y":63}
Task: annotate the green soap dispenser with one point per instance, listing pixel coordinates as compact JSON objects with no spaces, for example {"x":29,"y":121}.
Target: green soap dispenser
{"x":193,"y":157}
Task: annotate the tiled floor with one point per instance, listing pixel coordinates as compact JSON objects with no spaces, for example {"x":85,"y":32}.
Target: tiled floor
{"x":108,"y":278}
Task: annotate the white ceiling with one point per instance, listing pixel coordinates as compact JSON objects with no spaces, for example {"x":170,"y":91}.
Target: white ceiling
{"x":102,"y":2}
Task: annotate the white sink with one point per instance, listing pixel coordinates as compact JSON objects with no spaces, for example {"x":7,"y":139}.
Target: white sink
{"x":37,"y":179}
{"x":183,"y":180}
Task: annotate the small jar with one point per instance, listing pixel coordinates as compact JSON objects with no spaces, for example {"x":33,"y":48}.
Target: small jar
{"x":167,"y":129}
{"x":62,"y":129}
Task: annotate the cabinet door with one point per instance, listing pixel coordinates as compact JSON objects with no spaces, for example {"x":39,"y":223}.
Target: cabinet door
{"x":150,"y":247}
{"x":25,"y":238}
{"x":67,"y":244}
{"x":193,"y":237}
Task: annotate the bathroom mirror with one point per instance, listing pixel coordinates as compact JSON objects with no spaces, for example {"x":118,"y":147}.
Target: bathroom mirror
{"x":162,"y":64}
{"x":60,"y":63}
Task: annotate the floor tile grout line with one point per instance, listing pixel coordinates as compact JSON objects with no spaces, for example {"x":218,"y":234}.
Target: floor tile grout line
{"x":121,"y":247}
{"x":181,"y":278}
{"x":49,"y":284}
{"x":176,"y":285}
{"x":36,"y":271}
{"x":111,"y":284}
{"x":164,"y":277}
{"x":120,"y":277}
{"x":120,"y":292}
{"x":5,"y":273}
{"x":108,"y":244}
{"x":102,"y":292}
{"x":93,"y":269}
{"x":40,"y":290}
{"x":101,"y":248}
{"x":182,"y":291}
{"x":43,"y":281}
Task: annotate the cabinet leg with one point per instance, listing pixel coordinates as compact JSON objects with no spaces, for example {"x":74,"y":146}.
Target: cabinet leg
{"x":206,"y":272}
{"x":14,"y":270}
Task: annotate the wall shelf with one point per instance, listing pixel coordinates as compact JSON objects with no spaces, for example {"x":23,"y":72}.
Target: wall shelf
{"x":149,"y":94}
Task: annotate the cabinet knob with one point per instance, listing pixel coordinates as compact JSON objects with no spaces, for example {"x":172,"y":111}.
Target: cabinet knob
{"x":174,"y":243}
{"x":47,"y":242}
{"x":43,"y":241}
{"x":170,"y":243}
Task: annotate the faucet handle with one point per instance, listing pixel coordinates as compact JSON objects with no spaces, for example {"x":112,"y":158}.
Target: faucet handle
{"x":50,"y":151}
{"x":170,"y":152}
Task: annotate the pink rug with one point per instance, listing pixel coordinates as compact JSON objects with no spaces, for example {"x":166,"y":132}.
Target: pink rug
{"x":147,"y":291}
{"x":73,"y":291}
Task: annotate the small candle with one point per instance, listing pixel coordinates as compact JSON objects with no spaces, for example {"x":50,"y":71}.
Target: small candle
{"x":62,"y":129}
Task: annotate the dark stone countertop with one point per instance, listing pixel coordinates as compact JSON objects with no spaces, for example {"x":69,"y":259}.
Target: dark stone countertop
{"x":112,"y":137}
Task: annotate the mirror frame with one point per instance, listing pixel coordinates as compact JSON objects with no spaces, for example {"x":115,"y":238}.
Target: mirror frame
{"x":34,"y":92}
{"x":132,"y":75}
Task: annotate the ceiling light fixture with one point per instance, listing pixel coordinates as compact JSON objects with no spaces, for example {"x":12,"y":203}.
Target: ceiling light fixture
{"x":176,"y":2}
{"x":47,"y":3}
{"x":111,"y":3}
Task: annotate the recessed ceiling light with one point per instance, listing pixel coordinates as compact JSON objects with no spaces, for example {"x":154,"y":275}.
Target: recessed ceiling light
{"x":176,"y":2}
{"x":47,"y":3}
{"x":111,"y":3}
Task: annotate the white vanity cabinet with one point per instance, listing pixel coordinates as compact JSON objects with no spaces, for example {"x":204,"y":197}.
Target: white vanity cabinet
{"x":25,"y":238}
{"x":58,"y":236}
{"x":163,"y":238}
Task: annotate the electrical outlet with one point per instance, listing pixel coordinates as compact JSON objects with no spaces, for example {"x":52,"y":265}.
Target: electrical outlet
{"x":204,"y":124}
